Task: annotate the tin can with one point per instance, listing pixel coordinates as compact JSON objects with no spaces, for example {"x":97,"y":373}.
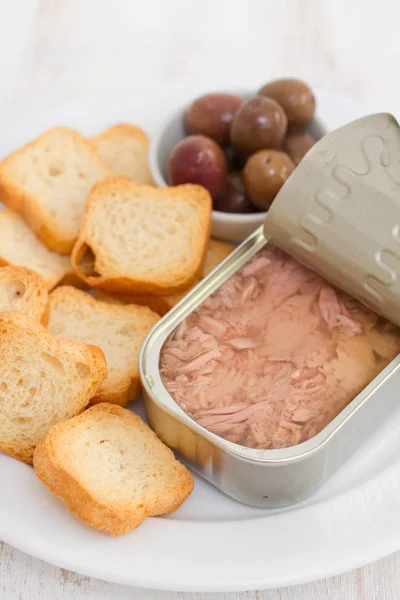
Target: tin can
{"x":277,"y":478}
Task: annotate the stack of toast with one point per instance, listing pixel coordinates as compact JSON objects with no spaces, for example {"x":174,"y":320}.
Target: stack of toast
{"x":91,"y":254}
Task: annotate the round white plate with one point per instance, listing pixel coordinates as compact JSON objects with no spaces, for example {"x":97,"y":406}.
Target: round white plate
{"x":212,"y":543}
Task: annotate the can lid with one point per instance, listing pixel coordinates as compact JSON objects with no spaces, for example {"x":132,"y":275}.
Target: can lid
{"x":339,"y":212}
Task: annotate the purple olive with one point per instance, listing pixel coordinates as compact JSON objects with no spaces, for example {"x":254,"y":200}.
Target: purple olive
{"x":198,"y":159}
{"x":233,"y":198}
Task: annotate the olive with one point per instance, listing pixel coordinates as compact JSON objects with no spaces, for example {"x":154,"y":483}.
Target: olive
{"x":295,"y":97}
{"x":212,"y":115}
{"x":297,"y":144}
{"x":233,"y":198}
{"x":264,"y":174}
{"x":198,"y":159}
{"x":258,"y":123}
{"x":236,"y":161}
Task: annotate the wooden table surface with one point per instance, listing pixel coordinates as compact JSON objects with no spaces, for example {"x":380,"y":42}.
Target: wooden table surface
{"x":55,"y":51}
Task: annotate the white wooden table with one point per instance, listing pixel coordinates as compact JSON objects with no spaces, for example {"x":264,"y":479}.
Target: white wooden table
{"x":53,"y":51}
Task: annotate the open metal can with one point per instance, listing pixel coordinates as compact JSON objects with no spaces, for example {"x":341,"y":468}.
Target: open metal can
{"x":280,"y":477}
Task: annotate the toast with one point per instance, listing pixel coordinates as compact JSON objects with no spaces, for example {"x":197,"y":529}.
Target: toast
{"x":118,"y":330}
{"x":19,"y":246}
{"x":24,"y":291}
{"x":138,"y":239}
{"x":125,"y":149}
{"x":42,"y":381}
{"x":216,"y":253}
{"x":111,"y":469}
{"x":48,"y":182}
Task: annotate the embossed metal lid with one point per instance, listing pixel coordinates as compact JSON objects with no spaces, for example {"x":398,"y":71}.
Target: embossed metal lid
{"x":339,"y":213}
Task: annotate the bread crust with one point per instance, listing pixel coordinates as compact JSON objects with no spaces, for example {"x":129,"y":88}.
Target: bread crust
{"x":123,"y":128}
{"x":115,"y":282}
{"x":111,"y":517}
{"x":159,"y":304}
{"x":15,"y":196}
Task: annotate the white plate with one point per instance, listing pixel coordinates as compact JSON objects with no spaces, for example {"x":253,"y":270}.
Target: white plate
{"x":212,"y":543}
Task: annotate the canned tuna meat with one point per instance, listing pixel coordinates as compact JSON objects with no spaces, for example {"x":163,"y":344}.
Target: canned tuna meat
{"x":271,"y":357}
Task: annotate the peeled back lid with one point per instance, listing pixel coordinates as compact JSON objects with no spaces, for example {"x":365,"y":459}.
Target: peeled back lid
{"x":339,"y":212}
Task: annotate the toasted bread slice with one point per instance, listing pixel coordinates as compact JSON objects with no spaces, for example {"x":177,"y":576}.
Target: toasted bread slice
{"x":111,"y":469}
{"x":118,"y":330}
{"x":142,"y":239}
{"x":216,"y":253}
{"x":19,"y":246}
{"x":160,"y":304}
{"x":125,"y":149}
{"x":24,"y":291}
{"x":42,"y":381}
{"x":48,"y":182}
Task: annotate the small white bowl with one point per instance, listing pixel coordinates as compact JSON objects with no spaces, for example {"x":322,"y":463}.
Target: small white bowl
{"x":225,"y":226}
